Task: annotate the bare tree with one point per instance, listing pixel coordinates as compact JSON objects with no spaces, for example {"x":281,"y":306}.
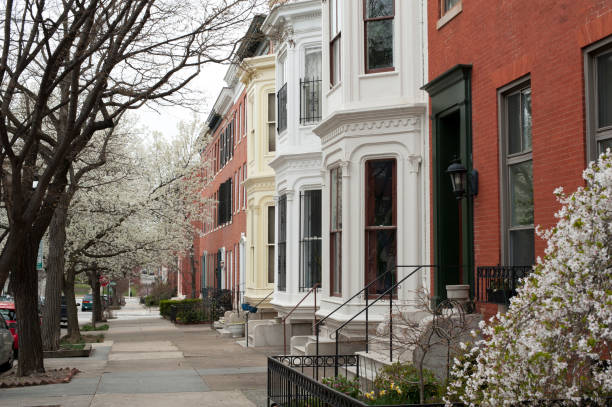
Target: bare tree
{"x":77,"y":65}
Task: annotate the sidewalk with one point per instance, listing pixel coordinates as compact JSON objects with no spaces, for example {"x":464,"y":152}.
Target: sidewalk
{"x":147,"y":361}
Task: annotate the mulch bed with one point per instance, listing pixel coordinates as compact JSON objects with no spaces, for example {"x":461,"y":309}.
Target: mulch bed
{"x":50,"y":376}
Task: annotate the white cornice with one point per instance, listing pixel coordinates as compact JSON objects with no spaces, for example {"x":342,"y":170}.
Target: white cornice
{"x":252,"y":67}
{"x":296,"y":160}
{"x":295,"y":10}
{"x":393,"y":119}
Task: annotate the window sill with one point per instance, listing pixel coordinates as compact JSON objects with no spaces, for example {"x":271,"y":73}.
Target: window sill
{"x":379,"y":74}
{"x":333,"y":88}
{"x":450,"y":14}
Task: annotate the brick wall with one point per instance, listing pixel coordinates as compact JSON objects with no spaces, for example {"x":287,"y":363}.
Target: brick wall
{"x":504,"y":41}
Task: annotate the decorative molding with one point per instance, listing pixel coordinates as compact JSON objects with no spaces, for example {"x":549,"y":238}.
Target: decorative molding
{"x":413,"y":163}
{"x":398,"y":125}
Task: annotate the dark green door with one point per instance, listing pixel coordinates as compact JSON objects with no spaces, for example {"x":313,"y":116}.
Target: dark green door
{"x":451,"y":139}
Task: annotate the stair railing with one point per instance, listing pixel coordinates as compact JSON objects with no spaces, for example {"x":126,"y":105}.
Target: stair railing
{"x":246,"y":327}
{"x":388,"y":291}
{"x":314,"y":317}
{"x":318,"y":324}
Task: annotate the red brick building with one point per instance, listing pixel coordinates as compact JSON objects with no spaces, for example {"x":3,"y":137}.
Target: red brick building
{"x":219,"y":250}
{"x":521,"y":91}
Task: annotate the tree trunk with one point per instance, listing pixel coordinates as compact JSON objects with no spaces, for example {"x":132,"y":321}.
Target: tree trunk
{"x":193,"y":277}
{"x":25,"y":284}
{"x":96,"y":313}
{"x":74,"y":332}
{"x":55,"y":277}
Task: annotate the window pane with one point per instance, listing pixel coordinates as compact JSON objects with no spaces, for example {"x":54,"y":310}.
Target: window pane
{"x":526,"y":119}
{"x":271,"y":137}
{"x":334,"y":197}
{"x":312,"y":70}
{"x":339,"y":188}
{"x":522,"y":247}
{"x":380,"y":193}
{"x":448,"y":4}
{"x":521,"y":194}
{"x":604,"y":89}
{"x":603,"y":145}
{"x":381,"y":251}
{"x":380,"y":44}
{"x":312,"y":213}
{"x":270,"y":224}
{"x":271,"y":107}
{"x":336,"y":261}
{"x":514,"y":130}
{"x":379,"y":8}
{"x":270,"y":264}
{"x":336,"y":62}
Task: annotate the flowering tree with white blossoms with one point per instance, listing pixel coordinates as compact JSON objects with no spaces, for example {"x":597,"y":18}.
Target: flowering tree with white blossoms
{"x":555,"y":340}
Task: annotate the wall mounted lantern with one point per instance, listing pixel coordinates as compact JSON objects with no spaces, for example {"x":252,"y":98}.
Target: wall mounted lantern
{"x":463,"y":183}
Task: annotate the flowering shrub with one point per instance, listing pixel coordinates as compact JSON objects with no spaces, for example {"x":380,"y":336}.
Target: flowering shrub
{"x":554,"y":342}
{"x":399,"y":384}
{"x":344,"y":385}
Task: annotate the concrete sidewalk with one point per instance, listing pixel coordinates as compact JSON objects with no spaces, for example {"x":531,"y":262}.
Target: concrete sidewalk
{"x":147,"y":361}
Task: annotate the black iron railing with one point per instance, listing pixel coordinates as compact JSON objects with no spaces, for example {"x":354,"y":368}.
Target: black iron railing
{"x":310,"y":101}
{"x":281,"y":111}
{"x":388,"y":289}
{"x":288,"y":386}
{"x":216,"y":301}
{"x":291,"y":382}
{"x":497,"y":284}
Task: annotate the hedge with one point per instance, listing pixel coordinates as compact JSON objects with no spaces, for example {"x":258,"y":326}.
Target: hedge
{"x":164,"y":305}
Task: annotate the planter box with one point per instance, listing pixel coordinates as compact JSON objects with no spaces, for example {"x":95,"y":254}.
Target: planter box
{"x":69,"y":353}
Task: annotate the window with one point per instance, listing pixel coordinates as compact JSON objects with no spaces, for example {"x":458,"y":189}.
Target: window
{"x":310,"y":239}
{"x":447,"y":5}
{"x":225,"y":202}
{"x":380,"y":224}
{"x":282,"y":243}
{"x":271,"y":244}
{"x":271,"y":122}
{"x":517,"y":176}
{"x":310,"y":87}
{"x":335,"y":19}
{"x":378,"y":28}
{"x":335,"y":229}
{"x":599,"y":98}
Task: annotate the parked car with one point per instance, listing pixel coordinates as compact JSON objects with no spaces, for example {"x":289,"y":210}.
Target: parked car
{"x":64,"y":311}
{"x":9,"y":315}
{"x":7,"y":354}
{"x":87,"y":304}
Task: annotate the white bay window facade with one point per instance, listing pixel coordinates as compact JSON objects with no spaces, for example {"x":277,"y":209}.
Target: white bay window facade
{"x":374,"y":140}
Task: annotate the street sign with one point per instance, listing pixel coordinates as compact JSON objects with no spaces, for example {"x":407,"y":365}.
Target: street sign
{"x":39,"y":258}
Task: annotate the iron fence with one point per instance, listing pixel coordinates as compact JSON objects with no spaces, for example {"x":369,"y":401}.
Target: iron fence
{"x":291,"y":383}
{"x":497,"y":284}
{"x":310,"y":101}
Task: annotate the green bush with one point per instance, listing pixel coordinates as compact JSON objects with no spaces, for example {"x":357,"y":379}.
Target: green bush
{"x":151,"y":301}
{"x":190,"y":316}
{"x":344,"y":385}
{"x":399,"y":384}
{"x":88,"y":327}
{"x":189,"y":303}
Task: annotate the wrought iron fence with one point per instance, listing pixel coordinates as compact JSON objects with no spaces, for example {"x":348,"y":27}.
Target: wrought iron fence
{"x":291,"y":383}
{"x":497,"y":284}
{"x":216,"y":301}
{"x":281,"y":98}
{"x":310,"y":101}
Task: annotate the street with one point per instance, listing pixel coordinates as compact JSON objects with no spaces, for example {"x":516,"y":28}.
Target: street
{"x":147,"y":361}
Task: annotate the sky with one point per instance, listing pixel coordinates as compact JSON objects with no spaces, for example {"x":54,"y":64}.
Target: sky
{"x":165,"y":119}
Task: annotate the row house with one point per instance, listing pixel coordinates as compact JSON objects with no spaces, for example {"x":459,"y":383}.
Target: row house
{"x":351,"y":164}
{"x":219,"y":253}
{"x":258,"y":78}
{"x":520,"y":109}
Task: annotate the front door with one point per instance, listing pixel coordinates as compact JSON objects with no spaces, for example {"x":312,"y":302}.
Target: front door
{"x":451,"y":139}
